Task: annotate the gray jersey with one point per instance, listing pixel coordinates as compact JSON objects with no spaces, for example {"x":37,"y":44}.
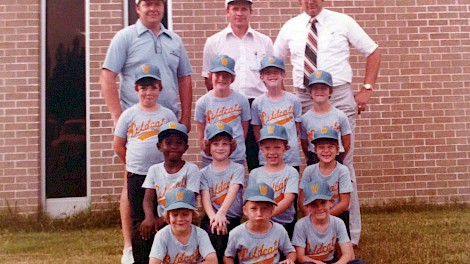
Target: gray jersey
{"x":339,"y":180}
{"x":218,"y":183}
{"x":336,"y":119}
{"x":285,"y":112}
{"x":258,"y":248}
{"x":319,"y":246}
{"x":162,"y":181}
{"x":285,"y":181}
{"x":168,"y":249}
{"x":232,"y":110}
{"x":141,"y":130}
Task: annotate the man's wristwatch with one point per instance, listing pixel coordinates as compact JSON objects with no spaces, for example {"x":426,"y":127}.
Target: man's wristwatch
{"x":367,"y":86}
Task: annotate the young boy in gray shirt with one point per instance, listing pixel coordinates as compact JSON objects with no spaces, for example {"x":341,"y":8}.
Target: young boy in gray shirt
{"x":259,"y":240}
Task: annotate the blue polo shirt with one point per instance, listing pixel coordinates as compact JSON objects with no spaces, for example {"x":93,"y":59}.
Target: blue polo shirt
{"x":136,"y":45}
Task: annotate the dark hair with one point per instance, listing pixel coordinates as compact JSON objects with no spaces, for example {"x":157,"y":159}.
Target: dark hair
{"x":326,"y":140}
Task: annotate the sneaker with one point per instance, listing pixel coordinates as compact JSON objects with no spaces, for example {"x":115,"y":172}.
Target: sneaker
{"x":127,"y":256}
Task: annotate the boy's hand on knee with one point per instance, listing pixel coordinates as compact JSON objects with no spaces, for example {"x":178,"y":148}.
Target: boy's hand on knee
{"x":147,"y":227}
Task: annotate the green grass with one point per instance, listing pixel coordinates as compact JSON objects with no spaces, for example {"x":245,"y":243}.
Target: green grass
{"x":391,"y":234}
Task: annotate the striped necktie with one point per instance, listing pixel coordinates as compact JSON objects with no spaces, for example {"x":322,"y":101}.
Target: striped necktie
{"x":310,"y":62}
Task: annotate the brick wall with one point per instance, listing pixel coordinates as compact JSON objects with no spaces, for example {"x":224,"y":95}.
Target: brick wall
{"x":413,"y":142}
{"x":19,"y":105}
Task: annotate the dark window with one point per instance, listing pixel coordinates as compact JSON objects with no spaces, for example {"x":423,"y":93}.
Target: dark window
{"x":65,"y":99}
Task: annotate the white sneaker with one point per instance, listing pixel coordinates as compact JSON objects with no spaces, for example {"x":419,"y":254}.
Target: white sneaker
{"x":127,"y":257}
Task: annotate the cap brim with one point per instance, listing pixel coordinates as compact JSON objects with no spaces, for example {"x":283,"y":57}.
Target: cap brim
{"x":324,"y":139}
{"x":319,"y":81}
{"x":275,"y":66}
{"x":179,"y":205}
{"x":317,"y":197}
{"x":272,"y":137}
{"x":167,"y":132}
{"x":260,"y":199}
{"x":222,"y":69}
{"x":219,"y":133}
{"x":148,"y":76}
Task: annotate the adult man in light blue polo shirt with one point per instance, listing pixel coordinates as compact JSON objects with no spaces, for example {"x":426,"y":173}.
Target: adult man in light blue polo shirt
{"x":146,"y":42}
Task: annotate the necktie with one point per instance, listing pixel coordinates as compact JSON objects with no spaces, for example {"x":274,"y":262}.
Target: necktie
{"x":310,"y":62}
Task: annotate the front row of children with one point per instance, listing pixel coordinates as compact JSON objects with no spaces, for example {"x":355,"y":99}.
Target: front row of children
{"x":262,"y":238}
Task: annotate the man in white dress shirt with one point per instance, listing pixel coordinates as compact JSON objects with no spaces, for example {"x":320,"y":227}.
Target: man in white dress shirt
{"x":336,"y":32}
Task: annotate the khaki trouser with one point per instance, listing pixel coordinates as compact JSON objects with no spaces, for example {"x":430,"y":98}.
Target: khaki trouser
{"x":343,"y":99}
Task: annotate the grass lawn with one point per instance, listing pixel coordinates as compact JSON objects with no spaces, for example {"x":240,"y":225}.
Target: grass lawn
{"x":400,"y":234}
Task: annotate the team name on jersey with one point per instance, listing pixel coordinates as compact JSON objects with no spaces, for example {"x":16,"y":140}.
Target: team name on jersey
{"x":285,"y":115}
{"x":166,"y":188}
{"x":220,"y":188}
{"x":233,"y":111}
{"x":321,"y":251}
{"x":135,"y":129}
{"x":259,"y":252}
{"x":182,"y":258}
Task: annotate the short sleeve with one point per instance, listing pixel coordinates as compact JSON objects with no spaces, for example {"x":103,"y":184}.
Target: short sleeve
{"x":238,"y":175}
{"x":292,"y":181}
{"x":255,"y":112}
{"x":159,"y":246}
{"x":200,"y":111}
{"x":122,"y":125}
{"x":285,"y":245}
{"x":299,"y":238}
{"x":231,"y":250}
{"x":342,"y":233}
{"x":149,"y":182}
{"x":205,"y":245}
{"x":204,"y":180}
{"x":194,"y":178}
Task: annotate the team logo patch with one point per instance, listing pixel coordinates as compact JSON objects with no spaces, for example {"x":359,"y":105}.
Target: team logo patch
{"x":180,"y":196}
{"x":146,"y":68}
{"x":314,"y":188}
{"x":263,"y":189}
{"x":271,"y":59}
{"x":172,"y":125}
{"x":220,"y":126}
{"x":318,"y":74}
{"x":271,"y":129}
{"x":224,"y":61}
{"x":324,"y":129}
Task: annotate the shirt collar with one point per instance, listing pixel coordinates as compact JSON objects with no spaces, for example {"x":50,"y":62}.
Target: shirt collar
{"x":141,"y":29}
{"x":320,"y":17}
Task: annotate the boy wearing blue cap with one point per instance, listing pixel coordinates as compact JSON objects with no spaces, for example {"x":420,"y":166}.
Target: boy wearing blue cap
{"x":221,"y":187}
{"x":323,"y":114}
{"x":163,"y":177}
{"x":259,"y":240}
{"x":276,"y":173}
{"x":135,"y":139}
{"x":181,"y":241}
{"x":316,"y":235}
{"x":277,"y":107}
{"x":329,"y":171}
{"x":223,"y":105}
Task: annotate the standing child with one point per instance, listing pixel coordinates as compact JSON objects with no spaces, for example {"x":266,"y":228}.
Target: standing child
{"x":277,"y":107}
{"x":135,"y":139}
{"x":163,"y":177}
{"x":323,"y":114}
{"x":223,"y":105}
{"x":259,"y":240}
{"x":181,"y":241}
{"x":329,"y":171}
{"x":282,"y":178}
{"x":316,"y":235}
{"x":221,"y":187}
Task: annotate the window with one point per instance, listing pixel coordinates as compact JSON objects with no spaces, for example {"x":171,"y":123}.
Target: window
{"x":65,"y":99}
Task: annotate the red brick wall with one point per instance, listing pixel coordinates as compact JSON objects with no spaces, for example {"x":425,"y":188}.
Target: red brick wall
{"x":412,"y":142}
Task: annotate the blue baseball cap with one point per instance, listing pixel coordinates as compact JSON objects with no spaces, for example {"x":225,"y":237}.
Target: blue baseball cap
{"x":220,"y":63}
{"x":316,"y":190}
{"x":259,"y":192}
{"x":325,"y":133}
{"x":320,"y":77}
{"x":180,"y":198}
{"x":172,"y":127}
{"x":273,"y":131}
{"x":147,"y":71}
{"x":215,"y":129}
{"x":272,"y":61}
